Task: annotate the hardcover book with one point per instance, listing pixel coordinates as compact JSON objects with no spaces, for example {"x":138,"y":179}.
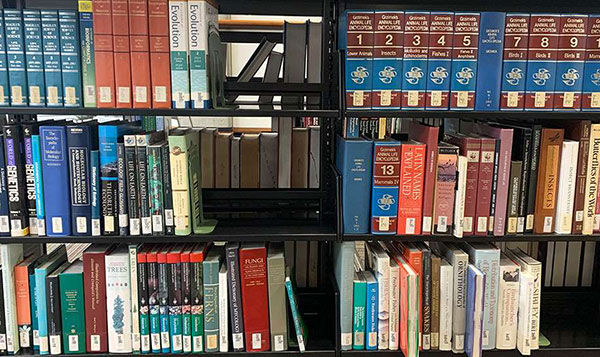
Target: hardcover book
{"x":10,"y":255}
{"x":15,"y":49}
{"x":579,"y":131}
{"x":491,"y":44}
{"x":591,"y":182}
{"x":439,"y":60}
{"x":570,"y":61}
{"x":108,"y":137}
{"x":387,"y":59}
{"x":55,"y":327}
{"x":180,"y":75}
{"x":95,"y":297}
{"x":514,"y":64}
{"x":384,"y":196}
{"x":30,"y":129}
{"x":155,"y":188}
{"x":359,"y":311}
{"x":95,"y":192}
{"x":343,"y":256}
{"x":235,"y":296}
{"x":207,"y":156}
{"x":475,"y":299}
{"x":446,"y":305}
{"x":186,"y":296}
{"x":443,"y":210}
{"x":211,"y":267}
{"x":19,"y":222}
{"x":180,"y":182}
{"x":72,"y":308}
{"x":32,"y":26}
{"x":410,"y":193}
{"x":69,"y":58}
{"x":135,"y":305}
{"x":464,"y":60}
{"x":167,"y":191}
{"x":39,"y":188}
{"x":223,"y":310}
{"x":25,"y":311}
{"x":153,"y":302}
{"x":163,"y":299}
{"x":131,"y":172}
{"x":512,"y":218}
{"x":88,"y":61}
{"x":508,"y":298}
{"x":141,"y":143}
{"x":52,"y":61}
{"x":103,"y":54}
{"x":197,"y":296}
{"x":160,"y":70}
{"x":202,"y":16}
{"x":81,"y":140}
{"x":4,"y":85}
{"x":381,"y":269}
{"x":359,"y":76}
{"x":590,"y":98}
{"x":565,"y":193}
{"x":436,"y":262}
{"x":140,"y":54}
{"x":459,"y":197}
{"x":121,"y":52}
{"x":545,"y":203}
{"x":143,"y":300}
{"x":372,"y":310}
{"x":299,"y":325}
{"x":175,"y":298}
{"x":414,"y":65}
{"x":118,"y":301}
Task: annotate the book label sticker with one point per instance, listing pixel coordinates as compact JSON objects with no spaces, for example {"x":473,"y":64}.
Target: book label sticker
{"x":3,"y":342}
{"x":105,"y":95}
{"x":134,"y":226}
{"x":529,"y":223}
{"x":436,"y":98}
{"x":426,"y":224}
{"x":24,"y":338}
{"x":73,"y":343}
{"x":197,"y":343}
{"x":468,"y":224}
{"x":52,"y":95}
{"x":568,"y":99}
{"x":57,"y":225}
{"x":410,"y":225}
{"x":81,"y":223}
{"x":169,"y":217}
{"x":34,"y":95}
{"x":359,"y":338}
{"x":141,"y":94}
{"x":55,"y":344}
{"x":595,"y":100}
{"x":413,"y":98}
{"x":95,"y":229}
{"x":211,"y":342}
{"x":512,"y":100}
{"x":70,"y":96}
{"x":256,"y":341}
{"x":482,"y":224}
{"x":95,"y":343}
{"x":109,"y":223}
{"x":164,"y":338}
{"x":238,"y":341}
{"x":145,"y":343}
{"x":123,"y":220}
{"x":120,"y":341}
{"x":384,"y":224}
{"x":146,"y":225}
{"x":442,"y":224}
{"x":540,"y":99}
{"x":177,"y":343}
{"x":160,"y":94}
{"x":372,"y":339}
{"x":462,"y":99}
{"x":278,"y":343}
{"x":358,"y":98}
{"x":4,"y":226}
{"x":187,"y":343}
{"x":460,"y":342}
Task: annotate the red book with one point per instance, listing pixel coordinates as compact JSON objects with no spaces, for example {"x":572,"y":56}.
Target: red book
{"x":410,"y":195}
{"x":140,"y":53}
{"x":160,"y":65}
{"x":122,"y":59}
{"x":429,"y":136}
{"x":94,"y":286}
{"x":570,"y":61}
{"x":414,"y":257}
{"x":469,"y":147}
{"x":485,"y":182}
{"x":103,"y":54}
{"x":443,"y":201}
{"x":255,"y":300}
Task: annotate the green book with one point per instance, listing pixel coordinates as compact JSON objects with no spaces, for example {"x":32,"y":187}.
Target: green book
{"x":72,"y":308}
{"x":301,"y":332}
{"x":211,"y":267}
{"x":360,"y":306}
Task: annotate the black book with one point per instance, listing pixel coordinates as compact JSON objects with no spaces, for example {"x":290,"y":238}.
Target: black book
{"x":53,"y":310}
{"x":175,"y":297}
{"x":133,"y":204}
{"x":122,"y":190}
{"x":294,"y":43}
{"x":2,"y":317}
{"x":186,"y":296}
{"x":155,"y":188}
{"x":142,"y":167}
{"x":197,"y":294}
{"x":494,"y":188}
{"x":29,"y":129}
{"x":163,"y":299}
{"x":15,"y":174}
{"x":153,"y":303}
{"x":271,"y":76}
{"x":314,"y":58}
{"x":167,"y":191}
{"x":236,"y":317}
{"x":142,"y":285}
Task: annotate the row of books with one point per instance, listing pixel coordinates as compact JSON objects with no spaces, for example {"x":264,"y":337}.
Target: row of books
{"x":447,"y":297}
{"x":482,"y":179}
{"x":485,"y":61}
{"x":149,"y":298}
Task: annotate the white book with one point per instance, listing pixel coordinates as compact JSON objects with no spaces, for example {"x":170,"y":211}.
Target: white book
{"x":508,"y":297}
{"x":526,"y":292}
{"x":201,"y":15}
{"x":381,"y":269}
{"x":446,"y":305}
{"x":223,"y":306}
{"x":135,"y":313}
{"x":10,"y":255}
{"x":118,"y":301}
{"x":179,"y":46}
{"x":566,"y":187}
{"x":459,"y":261}
{"x":534,"y":268}
{"x":459,"y":197}
{"x":394,"y":305}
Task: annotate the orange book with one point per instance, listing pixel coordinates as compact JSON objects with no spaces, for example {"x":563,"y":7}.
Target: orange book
{"x":410,"y":193}
{"x":22,"y":272}
{"x":122,"y":60}
{"x":160,"y":60}
{"x":547,"y":184}
{"x":414,"y":257}
{"x":103,"y":54}
{"x":140,"y":53}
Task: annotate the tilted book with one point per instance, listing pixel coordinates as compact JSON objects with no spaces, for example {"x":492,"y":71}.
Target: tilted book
{"x":580,"y":132}
{"x":278,"y":320}
{"x":591,"y":183}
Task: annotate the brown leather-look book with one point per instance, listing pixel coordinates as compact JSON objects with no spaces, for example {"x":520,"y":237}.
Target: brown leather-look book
{"x":249,"y":161}
{"x":207,"y":157}
{"x":547,"y":186}
{"x":223,"y":159}
{"x":579,"y":131}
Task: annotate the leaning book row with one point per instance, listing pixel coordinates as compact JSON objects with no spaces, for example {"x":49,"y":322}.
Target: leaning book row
{"x":485,"y":61}
{"x":481,"y":179}
{"x":460,"y":298}
{"x":149,"y":299}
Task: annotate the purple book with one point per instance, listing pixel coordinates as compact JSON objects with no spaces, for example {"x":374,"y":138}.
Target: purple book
{"x":506,"y":137}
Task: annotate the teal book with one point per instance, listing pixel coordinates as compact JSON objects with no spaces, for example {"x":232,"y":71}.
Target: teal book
{"x":360,"y":306}
{"x":15,"y":50}
{"x":69,"y":57}
{"x":72,"y":308}
{"x":343,"y":257}
{"x":39,"y":187}
{"x":34,"y":314}
{"x":211,"y":267}
{"x":32,"y":23}
{"x":300,"y":327}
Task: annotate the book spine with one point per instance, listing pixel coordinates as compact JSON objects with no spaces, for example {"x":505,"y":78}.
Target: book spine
{"x":4,"y":201}
{"x":381,"y":269}
{"x":590,"y":100}
{"x":69,"y":57}
{"x":24,"y":315}
{"x":180,"y":185}
{"x":372,"y":312}
{"x":386,"y":174}
{"x":514,"y":66}
{"x":410,"y":200}
{"x":103,"y":53}
{"x":198,"y":47}
{"x":51,"y":54}
{"x":19,"y":222}
{"x":545,"y":204}
{"x":444,"y":190}
{"x":211,"y":305}
{"x":160,"y":66}
{"x":197,"y":312}
{"x":133,"y":190}
{"x":41,"y":297}
{"x":142,"y":288}
{"x":427,"y":294}
{"x":464,"y":60}
{"x":95,"y":302}
{"x":387,"y":59}
{"x":536,"y":271}
{"x":79,"y":146}
{"x":72,"y":309}
{"x":155,"y":189}
{"x":121,"y":54}
{"x":298,"y":323}
{"x":223,"y":312}
{"x":10,"y":256}
{"x":582,"y":162}
{"x":459,"y":309}
{"x":163,"y":301}
{"x":118,"y":303}
{"x":32,"y":24}
{"x":235,"y":298}
{"x":54,"y":318}
{"x":439,"y":60}
{"x":359,"y":311}
{"x":591,"y":185}
{"x":95,"y":187}
{"x":435,"y":301}
{"x":15,"y":50}
{"x":459,"y":197}
{"x":359,"y":38}
{"x":88,"y":61}
{"x":55,"y":169}
{"x":524,"y":180}
{"x":167,"y":191}
{"x":570,"y":61}
{"x":28,"y":131}
{"x":180,"y":76}
{"x":186,"y":307}
{"x":394,"y":307}
{"x":414,"y":64}
{"x":508,"y":298}
{"x":505,"y":138}
{"x":473,"y":148}
{"x":495,"y":179}
{"x":153,"y":304}
{"x":175,"y":299}
{"x":541,"y":61}
{"x":533,"y":178}
{"x":140,"y":53}
{"x":142,"y":176}
{"x":34,"y":314}
{"x":107,"y":138}
{"x":135,"y":307}
{"x":484,"y":190}
{"x":253,"y":279}
{"x":489,"y":77}
{"x":566,"y":188}
{"x":4,"y":85}
{"x":489,"y":264}
{"x":513,"y":197}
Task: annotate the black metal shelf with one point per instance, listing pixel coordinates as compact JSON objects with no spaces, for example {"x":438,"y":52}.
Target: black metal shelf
{"x":542,"y":352}
{"x":452,"y":239}
{"x":520,"y":115}
{"x":325,"y":353}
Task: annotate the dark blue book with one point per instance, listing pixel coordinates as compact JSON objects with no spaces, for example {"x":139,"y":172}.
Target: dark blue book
{"x":15,"y":49}
{"x":489,"y":62}
{"x":354,"y":162}
{"x":591,"y":73}
{"x":4,"y":209}
{"x":80,"y":144}
{"x":95,"y":194}
{"x":55,"y":170}
{"x":475,"y":302}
